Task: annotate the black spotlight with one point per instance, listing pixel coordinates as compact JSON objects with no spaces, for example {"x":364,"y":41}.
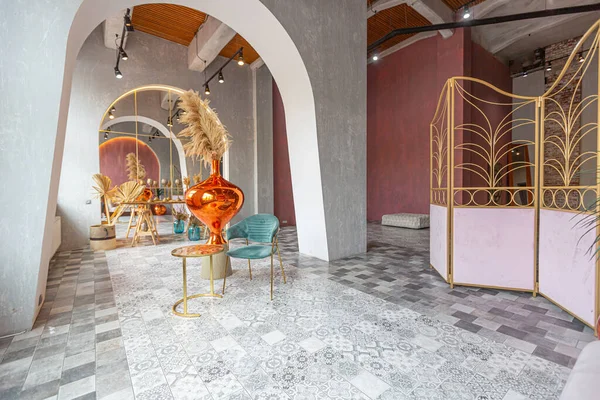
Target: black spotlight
{"x":118,"y":73}
{"x":128,"y":24}
{"x":221,"y":79}
{"x":105,"y":135}
{"x":123,"y":54}
{"x":206,"y":89}
{"x":241,"y":57}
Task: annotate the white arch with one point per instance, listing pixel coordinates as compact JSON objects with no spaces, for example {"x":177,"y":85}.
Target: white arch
{"x":161,"y":128}
{"x":255,"y":22}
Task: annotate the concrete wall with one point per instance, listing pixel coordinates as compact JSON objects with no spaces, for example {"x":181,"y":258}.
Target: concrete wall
{"x":331,"y":40}
{"x":151,"y":61}
{"x":314,"y":48}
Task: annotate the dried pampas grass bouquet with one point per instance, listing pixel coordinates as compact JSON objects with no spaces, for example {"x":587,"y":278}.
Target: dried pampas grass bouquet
{"x":208,"y":138}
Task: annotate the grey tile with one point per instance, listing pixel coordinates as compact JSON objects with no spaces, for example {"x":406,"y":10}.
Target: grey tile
{"x":507,"y":330}
{"x":40,"y":392}
{"x":552,"y":355}
{"x":468,"y":326}
{"x":77,"y":373}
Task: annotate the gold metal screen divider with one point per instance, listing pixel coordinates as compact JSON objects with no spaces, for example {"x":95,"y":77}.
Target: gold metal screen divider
{"x":440,"y":165}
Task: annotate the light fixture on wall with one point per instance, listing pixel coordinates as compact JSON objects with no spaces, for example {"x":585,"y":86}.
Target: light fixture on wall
{"x":118,"y":73}
{"x":170,"y":121}
{"x":525,"y":74}
{"x":206,"y":89}
{"x":113,"y":110}
{"x":123,"y":54}
{"x":581,"y":59}
{"x":549,"y":66}
{"x":105,"y":135}
{"x":111,"y":115}
{"x":375,"y":57}
{"x":221,"y":79}
{"x":241,"y":56}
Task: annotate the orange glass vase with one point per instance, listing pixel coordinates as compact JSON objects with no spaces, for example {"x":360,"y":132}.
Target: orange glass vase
{"x":159,"y":209}
{"x":145,"y":196}
{"x":215,"y":201}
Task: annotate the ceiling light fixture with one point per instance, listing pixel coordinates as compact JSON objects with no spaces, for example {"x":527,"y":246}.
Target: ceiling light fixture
{"x":118,"y":73}
{"x":113,"y":109}
{"x":124,"y":56}
{"x":169,"y":122}
{"x":524,"y":74}
{"x":111,"y":115}
{"x":549,"y":66}
{"x":206,"y":89}
{"x":221,"y":79}
{"x":127,"y":21}
{"x":241,"y":57}
{"x":466,"y":12}
{"x":105,"y":135}
{"x":581,"y":59}
{"x":375,"y":57}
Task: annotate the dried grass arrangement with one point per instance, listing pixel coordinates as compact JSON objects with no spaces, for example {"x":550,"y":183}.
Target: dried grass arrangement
{"x":103,"y":192}
{"x":128,"y":191}
{"x":179,"y":214}
{"x":208,"y":138}
{"x":134,"y":167}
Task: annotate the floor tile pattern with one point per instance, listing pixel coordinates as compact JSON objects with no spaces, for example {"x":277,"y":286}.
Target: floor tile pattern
{"x":380,"y":326}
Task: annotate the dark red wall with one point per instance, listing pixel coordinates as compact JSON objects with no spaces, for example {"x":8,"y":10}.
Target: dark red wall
{"x":402,"y":93}
{"x":487,"y":68}
{"x":282,"y":177}
{"x":112,"y":159}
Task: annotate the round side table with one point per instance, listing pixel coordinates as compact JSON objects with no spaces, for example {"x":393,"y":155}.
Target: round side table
{"x":196,"y":251}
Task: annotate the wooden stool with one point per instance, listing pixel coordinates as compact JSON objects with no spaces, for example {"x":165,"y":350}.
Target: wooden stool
{"x":146,"y":216}
{"x":133,"y":219}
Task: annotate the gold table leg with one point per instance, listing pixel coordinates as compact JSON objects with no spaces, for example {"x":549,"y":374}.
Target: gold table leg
{"x":194,"y":296}
{"x":185,"y":297}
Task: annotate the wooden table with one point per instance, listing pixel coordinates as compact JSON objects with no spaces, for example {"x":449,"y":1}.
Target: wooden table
{"x":196,"y":251}
{"x":145,"y":216}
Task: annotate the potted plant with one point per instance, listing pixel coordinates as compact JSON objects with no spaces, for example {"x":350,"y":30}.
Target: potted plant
{"x":179,"y":217}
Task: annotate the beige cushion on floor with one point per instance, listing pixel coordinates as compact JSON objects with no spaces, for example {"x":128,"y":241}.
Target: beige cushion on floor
{"x":584,"y":381}
{"x":405,"y":220}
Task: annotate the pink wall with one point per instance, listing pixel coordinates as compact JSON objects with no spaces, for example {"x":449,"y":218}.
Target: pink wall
{"x":112,"y":159}
{"x":402,"y":93}
{"x":282,"y":177}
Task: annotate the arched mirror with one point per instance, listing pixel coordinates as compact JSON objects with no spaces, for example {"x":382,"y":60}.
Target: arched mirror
{"x":137,"y":141}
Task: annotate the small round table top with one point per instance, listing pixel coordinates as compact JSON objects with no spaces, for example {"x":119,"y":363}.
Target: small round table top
{"x":199,"y":250}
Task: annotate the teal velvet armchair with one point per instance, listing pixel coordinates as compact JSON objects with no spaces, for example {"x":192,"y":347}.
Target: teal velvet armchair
{"x":260,"y":232}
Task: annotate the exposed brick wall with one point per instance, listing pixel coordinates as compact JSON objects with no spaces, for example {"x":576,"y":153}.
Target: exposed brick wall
{"x":568,"y":94}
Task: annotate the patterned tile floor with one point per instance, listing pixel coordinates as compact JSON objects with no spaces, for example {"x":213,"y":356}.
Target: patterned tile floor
{"x":381,"y":325}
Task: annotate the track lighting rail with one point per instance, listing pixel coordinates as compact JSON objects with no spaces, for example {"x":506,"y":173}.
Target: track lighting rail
{"x":484,"y":21}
